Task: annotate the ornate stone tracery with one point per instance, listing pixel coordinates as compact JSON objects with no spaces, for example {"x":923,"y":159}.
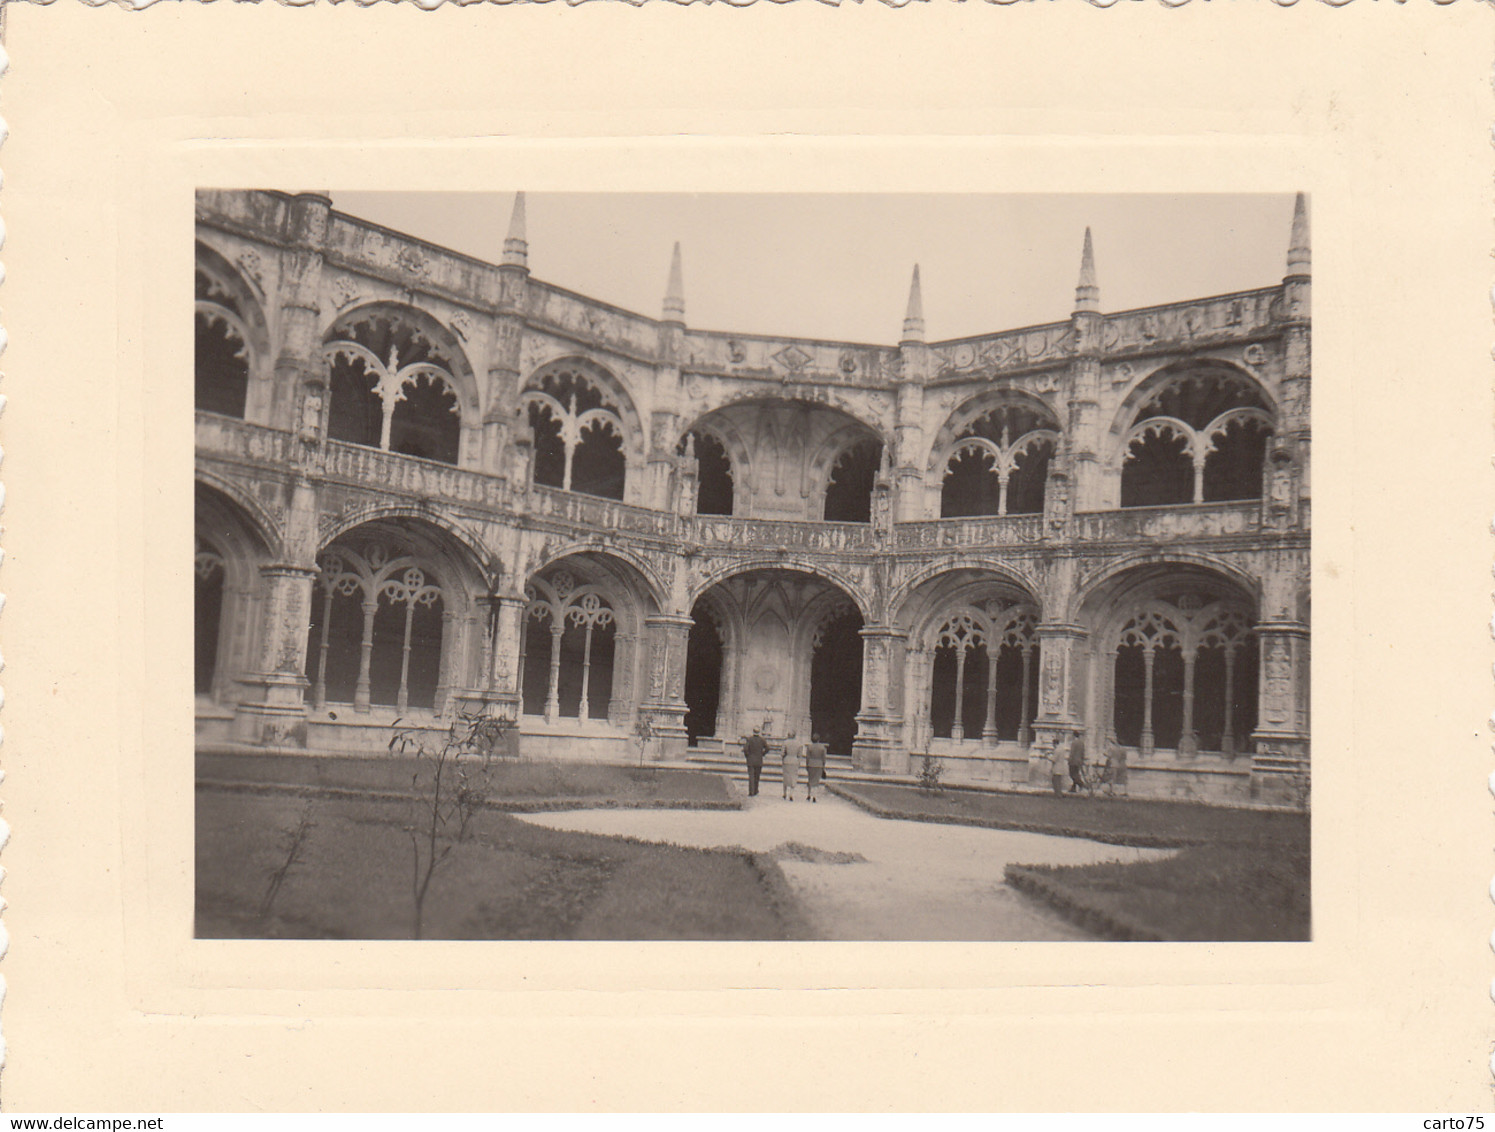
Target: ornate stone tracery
{"x":559,"y":603}
{"x":984,"y":633}
{"x":1184,"y":627}
{"x":392,"y":387}
{"x":376,"y":579}
{"x":580,"y":436}
{"x":1200,"y":437}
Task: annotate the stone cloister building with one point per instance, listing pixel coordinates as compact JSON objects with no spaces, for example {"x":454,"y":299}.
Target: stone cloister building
{"x":427,"y":483}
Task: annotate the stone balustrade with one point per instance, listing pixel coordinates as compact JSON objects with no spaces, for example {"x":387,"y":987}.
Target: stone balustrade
{"x":1009,"y":350}
{"x":1182,"y":520}
{"x":408,"y":475}
{"x":770,"y":534}
{"x":593,"y":513}
{"x":387,"y":472}
{"x":232,"y":439}
{"x":799,"y":360}
{"x":974,"y":532}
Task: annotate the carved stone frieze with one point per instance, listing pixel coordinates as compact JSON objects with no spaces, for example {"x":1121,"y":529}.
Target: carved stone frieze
{"x":345,"y":292}
{"x":1013,"y":350}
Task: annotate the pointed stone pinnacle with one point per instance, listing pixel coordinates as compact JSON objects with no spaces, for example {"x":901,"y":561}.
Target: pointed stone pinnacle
{"x":516,"y":246}
{"x":1087,"y":292}
{"x":913,"y":318}
{"x":1297,"y":252}
{"x":674,"y":295}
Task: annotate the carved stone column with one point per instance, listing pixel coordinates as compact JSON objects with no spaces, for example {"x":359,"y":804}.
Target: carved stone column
{"x":879,"y":745}
{"x":620,"y":707}
{"x":1188,"y":740}
{"x":501,"y":677}
{"x":1060,"y":678}
{"x":726,"y":704}
{"x":276,"y":713}
{"x":301,"y":396}
{"x":273,"y":712}
{"x":363,"y":690}
{"x":669,"y":636}
{"x":1279,"y":767}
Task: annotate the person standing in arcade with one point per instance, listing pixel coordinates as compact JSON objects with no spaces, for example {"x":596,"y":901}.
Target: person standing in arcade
{"x":754,"y":748}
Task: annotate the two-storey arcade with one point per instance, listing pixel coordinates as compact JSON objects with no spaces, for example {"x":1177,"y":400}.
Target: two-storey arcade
{"x":427,"y":482}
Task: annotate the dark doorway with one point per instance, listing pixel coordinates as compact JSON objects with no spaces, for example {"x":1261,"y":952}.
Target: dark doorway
{"x":836,"y":681}
{"x":208,"y":615}
{"x":703,"y":676}
{"x":848,"y":496}
{"x":713,"y":474}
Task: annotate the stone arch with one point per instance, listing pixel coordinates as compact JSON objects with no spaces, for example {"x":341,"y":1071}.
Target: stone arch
{"x":396,"y":620}
{"x":230,"y":548}
{"x":900,"y":611}
{"x":583,"y":636}
{"x":252,"y":512}
{"x":632,"y":568}
{"x":992,"y":456}
{"x":971,"y":671}
{"x":233,"y":360}
{"x":1095,"y":588}
{"x":1150,"y":384}
{"x":1192,"y":431}
{"x":613,"y":389}
{"x":712,"y":644}
{"x":738,"y":452}
{"x":864,"y":602}
{"x":383,"y":355}
{"x":828,"y":400}
{"x":967,"y":412}
{"x":792,"y":661}
{"x":824,"y":464}
{"x":475,"y":553}
{"x":1174,"y":658}
{"x":436,"y":331}
{"x":716,"y":471}
{"x":787,"y":446}
{"x":729,"y":437}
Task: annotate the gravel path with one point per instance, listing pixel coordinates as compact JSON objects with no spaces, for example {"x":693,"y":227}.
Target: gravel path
{"x":861,"y":877}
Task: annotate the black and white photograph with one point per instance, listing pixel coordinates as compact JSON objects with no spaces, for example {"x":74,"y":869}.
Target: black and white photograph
{"x":746,"y":557}
{"x":752,"y":566}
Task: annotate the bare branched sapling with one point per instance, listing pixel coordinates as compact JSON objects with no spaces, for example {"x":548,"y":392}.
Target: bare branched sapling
{"x":448,"y":787}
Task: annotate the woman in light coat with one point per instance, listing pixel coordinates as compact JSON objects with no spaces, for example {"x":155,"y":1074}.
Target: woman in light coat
{"x":814,"y":766}
{"x":793,"y":756}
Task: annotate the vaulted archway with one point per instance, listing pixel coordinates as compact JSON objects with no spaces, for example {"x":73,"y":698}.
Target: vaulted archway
{"x":231,"y":342}
{"x":790,"y":656}
{"x":580,"y":434}
{"x":395,"y":622}
{"x":997,"y":464}
{"x":398,"y":382}
{"x":1199,"y":435}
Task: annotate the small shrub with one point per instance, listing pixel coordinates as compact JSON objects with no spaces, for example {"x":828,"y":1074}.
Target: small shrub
{"x":931,"y":770}
{"x":643,"y":731}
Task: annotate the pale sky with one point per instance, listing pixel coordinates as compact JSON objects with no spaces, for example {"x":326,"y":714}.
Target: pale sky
{"x":838,"y":266}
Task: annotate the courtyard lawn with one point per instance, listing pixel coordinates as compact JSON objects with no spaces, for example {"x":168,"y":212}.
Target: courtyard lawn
{"x":507,"y":880}
{"x":1118,"y":821}
{"x":508,"y":785}
{"x":1239,"y":874}
{"x":1215,"y":893}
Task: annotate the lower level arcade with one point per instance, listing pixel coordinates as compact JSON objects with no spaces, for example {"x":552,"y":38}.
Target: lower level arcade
{"x":978,"y":665}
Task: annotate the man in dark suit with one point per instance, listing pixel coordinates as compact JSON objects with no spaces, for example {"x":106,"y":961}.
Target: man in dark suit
{"x":754,"y":747}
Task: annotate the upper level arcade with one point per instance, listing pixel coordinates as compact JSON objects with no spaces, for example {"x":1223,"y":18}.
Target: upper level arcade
{"x":366,"y":358}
